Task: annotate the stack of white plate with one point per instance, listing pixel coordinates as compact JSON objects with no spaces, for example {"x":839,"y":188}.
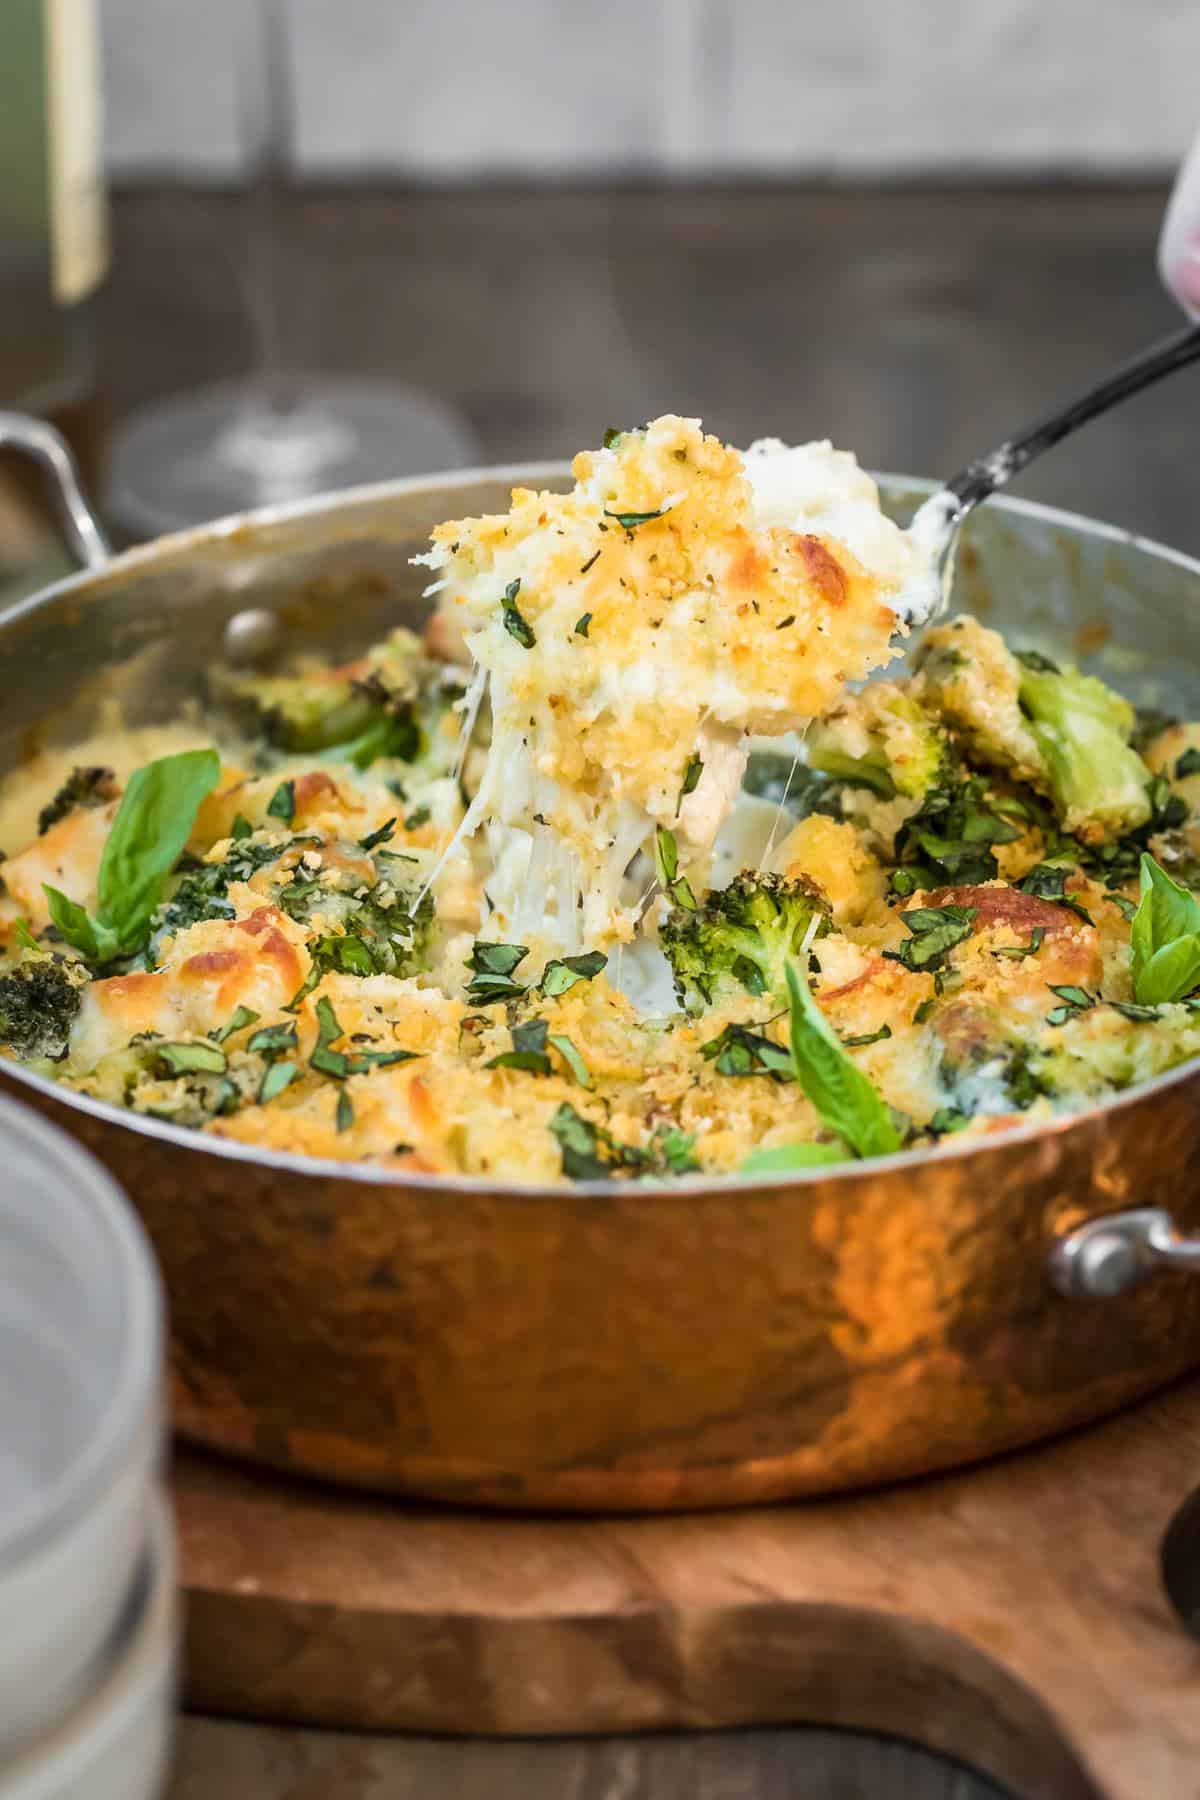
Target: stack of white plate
{"x":88,"y":1624}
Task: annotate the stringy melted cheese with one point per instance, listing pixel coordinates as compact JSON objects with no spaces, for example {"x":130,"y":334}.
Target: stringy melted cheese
{"x":679,"y":597}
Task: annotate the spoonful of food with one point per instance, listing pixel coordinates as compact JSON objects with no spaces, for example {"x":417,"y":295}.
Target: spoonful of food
{"x":935,"y":526}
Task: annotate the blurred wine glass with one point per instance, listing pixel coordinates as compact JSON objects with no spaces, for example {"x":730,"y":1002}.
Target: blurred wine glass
{"x":281,"y":433}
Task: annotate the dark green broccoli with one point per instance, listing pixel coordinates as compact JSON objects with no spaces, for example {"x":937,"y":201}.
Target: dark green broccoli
{"x":1066,"y":734}
{"x":884,"y":740}
{"x":389,"y":704}
{"x":201,"y":889}
{"x":39,"y":1002}
{"x":299,"y":712}
{"x":94,"y":786}
{"x":740,"y":937}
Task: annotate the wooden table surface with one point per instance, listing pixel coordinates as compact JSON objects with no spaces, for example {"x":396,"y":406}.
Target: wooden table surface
{"x":918,"y":326}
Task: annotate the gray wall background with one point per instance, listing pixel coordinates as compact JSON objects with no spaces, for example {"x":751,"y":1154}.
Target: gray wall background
{"x":441,"y":89}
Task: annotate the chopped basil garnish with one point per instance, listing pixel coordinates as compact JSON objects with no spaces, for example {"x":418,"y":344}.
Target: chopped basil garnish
{"x":493,"y":966}
{"x":1015,"y":952}
{"x":1188,"y":764}
{"x":561,"y":975}
{"x":935,"y":930}
{"x":693,"y":769}
{"x":631,"y":520}
{"x":1075,"y":1000}
{"x":570,"y":1056}
{"x":279,"y":1076}
{"x":373,"y":839}
{"x":581,"y":625}
{"x":282,"y":804}
{"x":272,"y":1040}
{"x":528,"y":1051}
{"x":190,"y":1059}
{"x":241,"y":828}
{"x":666,"y":856}
{"x":420,"y":815}
{"x":237,"y":1021}
{"x":869,"y":1037}
{"x":516,"y":625}
{"x":740,"y":1051}
{"x":344,"y":1113}
{"x":1048,"y":881}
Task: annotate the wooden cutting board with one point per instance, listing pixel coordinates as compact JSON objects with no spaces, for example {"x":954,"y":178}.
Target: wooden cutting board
{"x":1013,"y":1615}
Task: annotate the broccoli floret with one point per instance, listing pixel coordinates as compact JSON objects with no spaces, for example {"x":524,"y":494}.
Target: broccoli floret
{"x":388,"y":704}
{"x":740,"y":937}
{"x":1064,"y":733}
{"x":885,"y":740}
{"x":39,"y":1001}
{"x":1099,"y":785}
{"x":94,"y":786}
{"x":299,"y":712}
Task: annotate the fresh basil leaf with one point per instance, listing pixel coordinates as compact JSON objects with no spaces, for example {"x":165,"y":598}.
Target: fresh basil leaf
{"x":99,"y":943}
{"x":571,"y":1057}
{"x":559,"y":976}
{"x":1171,"y":973}
{"x":785,"y":1159}
{"x":1167,"y":914}
{"x":153,"y":823}
{"x":846,"y":1101}
{"x":151,"y":828}
{"x":241,"y":828}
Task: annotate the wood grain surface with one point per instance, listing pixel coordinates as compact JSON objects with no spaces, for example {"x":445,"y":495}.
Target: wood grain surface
{"x":914,"y":323}
{"x":1012,"y":1615}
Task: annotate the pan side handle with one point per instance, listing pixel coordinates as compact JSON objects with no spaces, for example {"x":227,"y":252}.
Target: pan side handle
{"x":1110,"y":1255}
{"x":47,"y":448}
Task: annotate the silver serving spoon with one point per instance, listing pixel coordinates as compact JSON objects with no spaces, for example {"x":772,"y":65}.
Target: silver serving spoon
{"x":937,"y":522}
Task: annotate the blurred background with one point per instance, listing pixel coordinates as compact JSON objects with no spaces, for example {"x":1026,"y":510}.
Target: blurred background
{"x":904,"y":225}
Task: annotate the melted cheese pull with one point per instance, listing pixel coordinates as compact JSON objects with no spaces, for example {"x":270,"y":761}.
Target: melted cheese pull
{"x":632,"y":632}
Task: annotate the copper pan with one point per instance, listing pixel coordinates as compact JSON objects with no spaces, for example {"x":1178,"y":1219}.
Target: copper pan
{"x":617,"y":1348}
